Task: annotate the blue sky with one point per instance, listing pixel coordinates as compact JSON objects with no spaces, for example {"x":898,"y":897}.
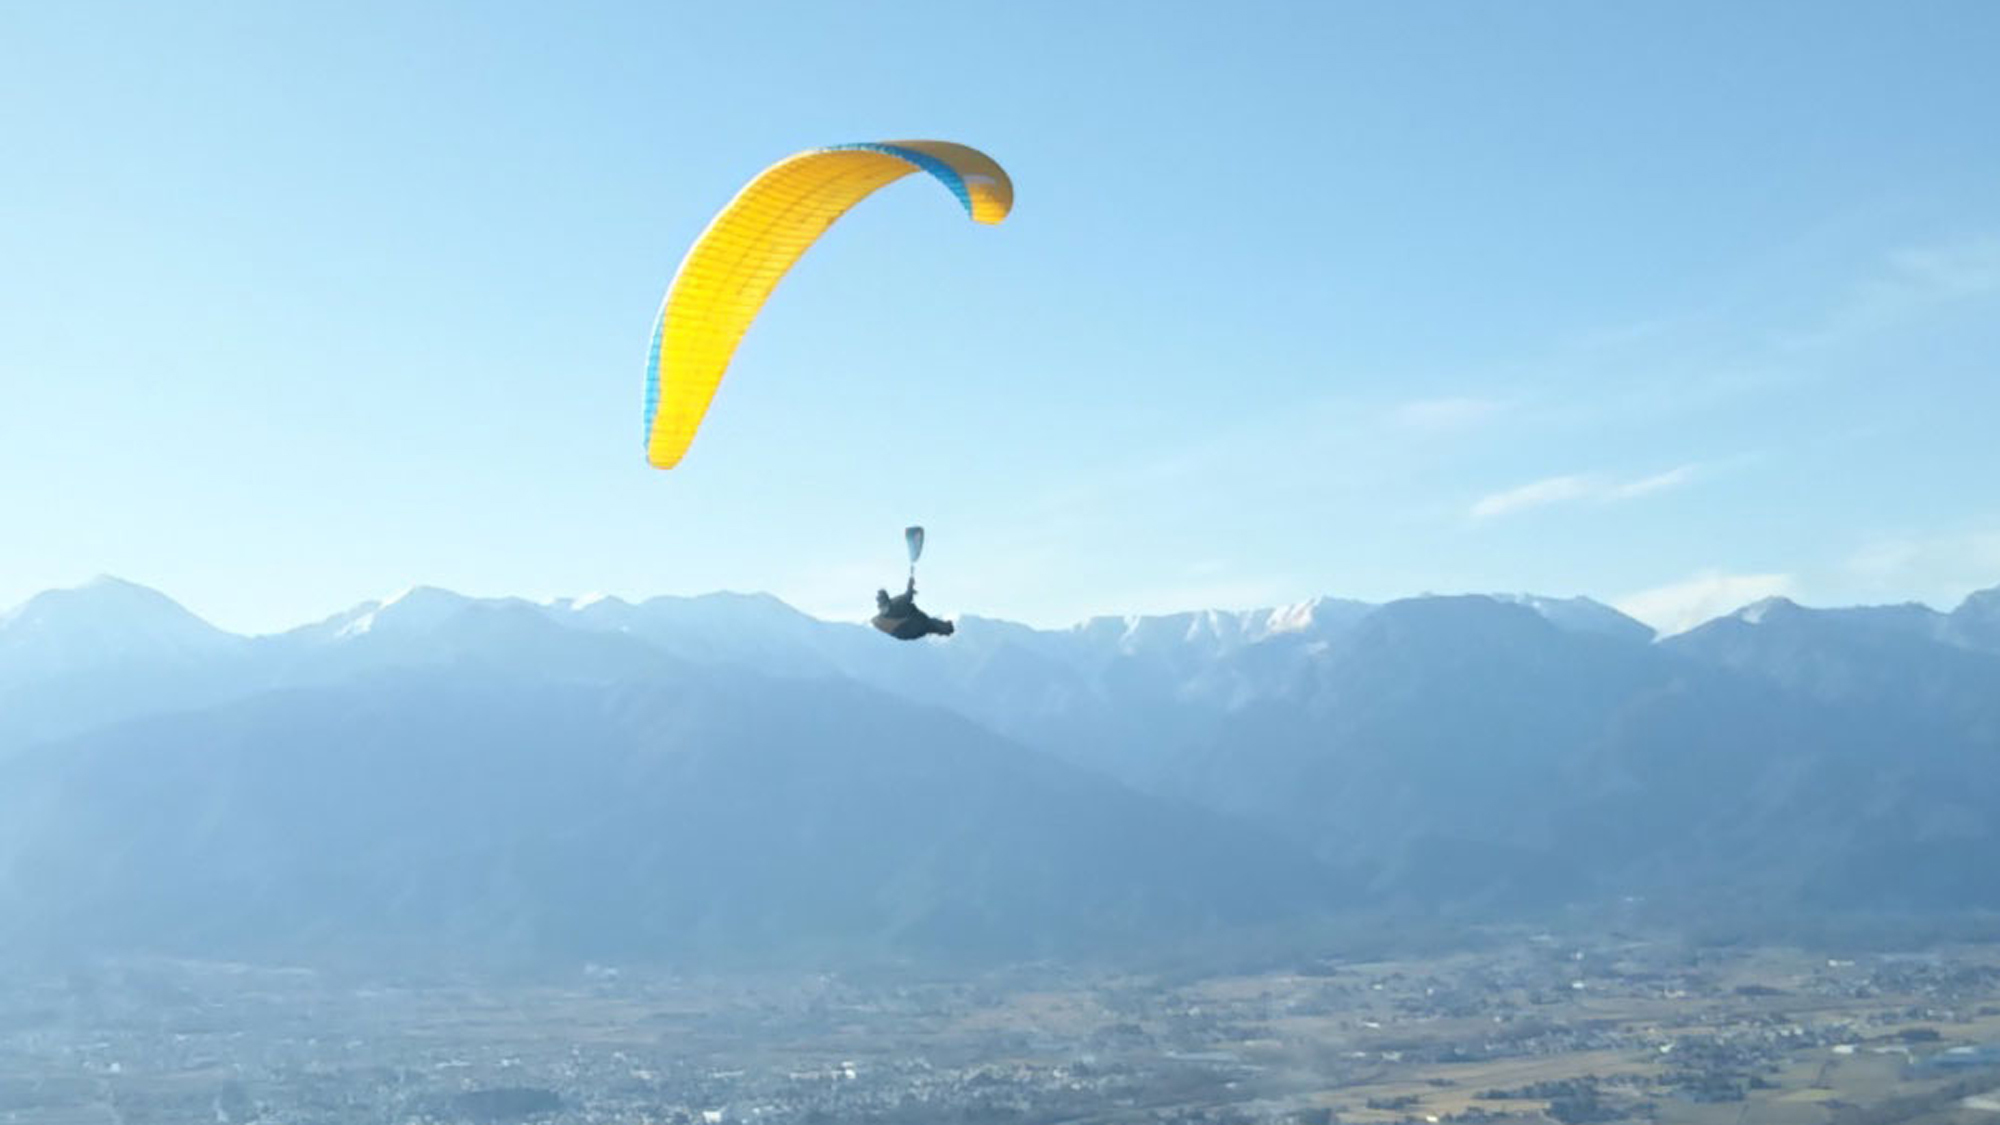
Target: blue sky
{"x":1674,"y":305}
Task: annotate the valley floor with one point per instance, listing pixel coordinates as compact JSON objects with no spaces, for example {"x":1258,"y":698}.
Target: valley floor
{"x":1534,"y":1030}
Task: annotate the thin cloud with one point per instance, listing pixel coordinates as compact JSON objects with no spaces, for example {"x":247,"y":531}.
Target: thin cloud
{"x":1913,"y":281}
{"x":1939,"y":568}
{"x":1947,"y":271}
{"x":1679,"y":606}
{"x":1579,"y":488}
{"x":1540,"y":494}
{"x":1658,"y":482}
{"x":1748,"y":348}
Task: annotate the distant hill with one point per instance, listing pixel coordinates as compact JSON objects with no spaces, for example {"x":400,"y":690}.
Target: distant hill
{"x":722,"y":776}
{"x":471,"y":812}
{"x":1470,"y":752}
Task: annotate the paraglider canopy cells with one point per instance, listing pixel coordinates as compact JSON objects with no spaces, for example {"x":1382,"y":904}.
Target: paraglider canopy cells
{"x":736,"y":263}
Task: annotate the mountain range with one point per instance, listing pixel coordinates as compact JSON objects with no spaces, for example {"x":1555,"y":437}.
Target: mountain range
{"x":701,"y":779}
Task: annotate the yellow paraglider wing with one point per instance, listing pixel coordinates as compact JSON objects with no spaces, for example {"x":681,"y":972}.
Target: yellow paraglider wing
{"x":736,"y":263}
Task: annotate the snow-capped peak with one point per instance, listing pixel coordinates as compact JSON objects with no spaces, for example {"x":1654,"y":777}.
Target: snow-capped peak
{"x":1217,"y":631}
{"x":1581,"y":615}
{"x":1321,"y":613}
{"x":416,"y":610}
{"x":1292,"y":618}
{"x":1761,"y":610}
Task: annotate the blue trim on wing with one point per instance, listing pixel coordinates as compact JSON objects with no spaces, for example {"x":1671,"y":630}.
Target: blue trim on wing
{"x":946,"y":174}
{"x":653,"y":377}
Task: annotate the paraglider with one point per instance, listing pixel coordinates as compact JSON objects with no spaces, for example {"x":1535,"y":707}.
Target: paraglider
{"x":899,"y":616}
{"x":736,"y":263}
{"x":731,"y":270}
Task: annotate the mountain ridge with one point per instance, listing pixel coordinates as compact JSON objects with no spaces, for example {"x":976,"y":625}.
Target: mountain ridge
{"x":1470,"y":757}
